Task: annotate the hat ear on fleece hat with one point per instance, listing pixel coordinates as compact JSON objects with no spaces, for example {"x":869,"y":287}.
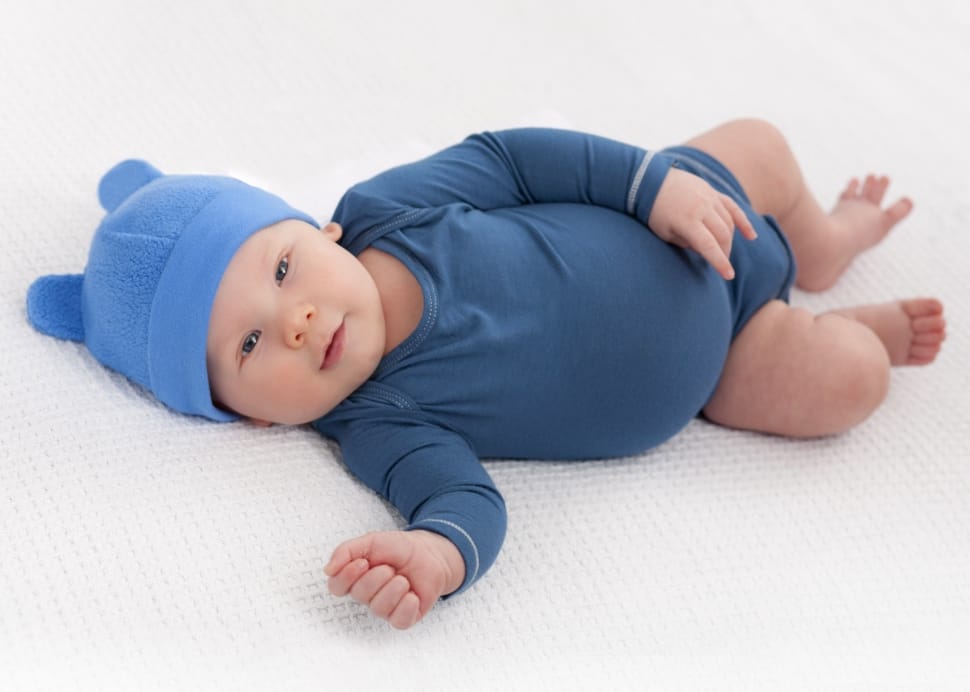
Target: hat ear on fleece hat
{"x":54,"y":302}
{"x":126,"y":177}
{"x":54,"y":306}
{"x":142,"y":305}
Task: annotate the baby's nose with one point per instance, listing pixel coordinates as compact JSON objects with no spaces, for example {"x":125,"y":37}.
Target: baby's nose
{"x":297,"y":323}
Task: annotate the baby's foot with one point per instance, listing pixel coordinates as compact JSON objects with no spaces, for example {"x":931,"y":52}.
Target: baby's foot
{"x":857,"y":222}
{"x":859,"y":213}
{"x":911,"y":330}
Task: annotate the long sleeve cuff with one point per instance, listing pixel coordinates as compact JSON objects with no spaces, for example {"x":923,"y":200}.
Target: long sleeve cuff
{"x":646,"y":184}
{"x":474,"y":522}
{"x":463,"y":541}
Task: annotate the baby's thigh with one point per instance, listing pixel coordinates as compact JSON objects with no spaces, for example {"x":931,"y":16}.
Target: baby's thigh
{"x":759,"y":157}
{"x":792,"y":373}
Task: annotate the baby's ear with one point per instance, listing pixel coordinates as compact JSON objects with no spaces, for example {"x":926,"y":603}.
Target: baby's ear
{"x":126,"y":177}
{"x":333,"y":231}
{"x":54,"y":306}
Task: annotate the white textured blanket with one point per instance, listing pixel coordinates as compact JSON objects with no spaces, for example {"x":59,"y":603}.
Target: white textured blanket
{"x":140,"y":549}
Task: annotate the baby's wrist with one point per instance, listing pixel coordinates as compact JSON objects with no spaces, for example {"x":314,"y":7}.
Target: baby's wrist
{"x":453,"y":562}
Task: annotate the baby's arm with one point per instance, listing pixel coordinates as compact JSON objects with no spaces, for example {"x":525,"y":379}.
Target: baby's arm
{"x":681,"y":208}
{"x":400,"y":575}
{"x":534,"y":165}
{"x":456,"y":516}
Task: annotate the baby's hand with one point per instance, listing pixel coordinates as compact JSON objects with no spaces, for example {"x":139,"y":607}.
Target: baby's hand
{"x":690,"y":213}
{"x":399,"y":574}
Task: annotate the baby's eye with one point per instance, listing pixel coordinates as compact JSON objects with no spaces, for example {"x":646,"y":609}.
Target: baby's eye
{"x":249,"y":343}
{"x":281,"y":269}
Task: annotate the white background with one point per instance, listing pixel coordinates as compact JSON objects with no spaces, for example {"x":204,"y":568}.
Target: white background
{"x":144,"y":550}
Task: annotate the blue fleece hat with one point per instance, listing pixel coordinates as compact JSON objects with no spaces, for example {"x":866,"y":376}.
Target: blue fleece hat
{"x":142,"y":305}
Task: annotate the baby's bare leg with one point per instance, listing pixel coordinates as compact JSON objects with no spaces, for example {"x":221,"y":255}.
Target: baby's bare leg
{"x":824,"y":244}
{"x":796,"y":374}
{"x":793,"y":373}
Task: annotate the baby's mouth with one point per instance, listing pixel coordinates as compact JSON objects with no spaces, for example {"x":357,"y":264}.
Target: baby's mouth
{"x":335,"y":349}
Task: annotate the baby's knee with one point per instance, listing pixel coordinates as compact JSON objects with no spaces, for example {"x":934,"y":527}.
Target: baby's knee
{"x":771,"y":175}
{"x":762,"y":134}
{"x":866,"y":387}
{"x":859,"y":375}
{"x":759,"y":126}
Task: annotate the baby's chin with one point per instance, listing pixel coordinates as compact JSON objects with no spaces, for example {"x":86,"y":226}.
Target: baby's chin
{"x":295,"y":417}
{"x":287,"y":420}
{"x":261,"y":423}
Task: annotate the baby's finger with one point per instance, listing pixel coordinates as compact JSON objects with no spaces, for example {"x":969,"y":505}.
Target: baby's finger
{"x":385,"y":601}
{"x":724,"y":214}
{"x":741,"y":221}
{"x":700,"y":239}
{"x":406,"y":613}
{"x":338,"y":560}
{"x":346,"y":552}
{"x":852,"y":190}
{"x":340,"y":583}
{"x":722,"y":232}
{"x":370,"y":583}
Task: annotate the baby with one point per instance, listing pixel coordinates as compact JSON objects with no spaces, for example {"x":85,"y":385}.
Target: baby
{"x":530,"y":293}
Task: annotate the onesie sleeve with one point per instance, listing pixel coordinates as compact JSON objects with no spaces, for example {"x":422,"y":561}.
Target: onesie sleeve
{"x":432,"y":477}
{"x":512,"y":168}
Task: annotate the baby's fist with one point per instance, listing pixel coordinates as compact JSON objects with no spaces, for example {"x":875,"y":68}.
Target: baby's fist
{"x":399,"y":575}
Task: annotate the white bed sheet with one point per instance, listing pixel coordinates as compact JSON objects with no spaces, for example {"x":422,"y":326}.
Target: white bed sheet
{"x":144,"y":550}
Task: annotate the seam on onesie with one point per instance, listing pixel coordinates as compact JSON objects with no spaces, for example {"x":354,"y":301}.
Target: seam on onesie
{"x":464,"y":533}
{"x":368,"y":237}
{"x":387,"y":395}
{"x":426,"y":327}
{"x":702,"y":167}
{"x":399,"y":220}
{"x":713,"y":174}
{"x":397,"y":399}
{"x":631,"y":198}
{"x":429,"y":318}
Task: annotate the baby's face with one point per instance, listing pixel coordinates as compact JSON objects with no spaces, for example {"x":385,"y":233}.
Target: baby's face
{"x":296,"y":325}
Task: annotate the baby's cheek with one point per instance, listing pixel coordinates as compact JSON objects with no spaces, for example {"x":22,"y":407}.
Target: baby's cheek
{"x":279,"y":383}
{"x":290,"y":394}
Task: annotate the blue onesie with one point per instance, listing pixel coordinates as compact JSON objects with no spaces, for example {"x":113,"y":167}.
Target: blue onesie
{"x":556,"y":325}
